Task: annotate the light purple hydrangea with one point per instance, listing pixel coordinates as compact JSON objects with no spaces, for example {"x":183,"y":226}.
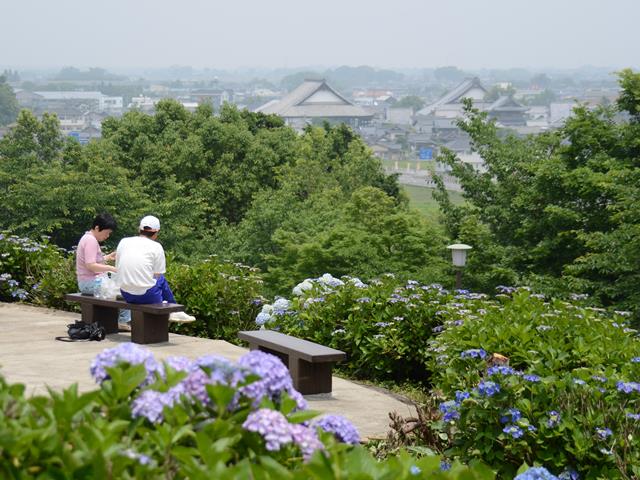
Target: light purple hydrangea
{"x":151,"y":403}
{"x":275,"y":378}
{"x":340,"y":427}
{"x":271,"y":425}
{"x":306,"y":439}
{"x":628,"y":387}
{"x":124,"y":353}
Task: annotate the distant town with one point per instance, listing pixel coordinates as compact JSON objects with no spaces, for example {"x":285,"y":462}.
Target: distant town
{"x":405,"y":117}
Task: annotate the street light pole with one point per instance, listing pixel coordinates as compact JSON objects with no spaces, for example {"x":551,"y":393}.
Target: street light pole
{"x":459,"y":259}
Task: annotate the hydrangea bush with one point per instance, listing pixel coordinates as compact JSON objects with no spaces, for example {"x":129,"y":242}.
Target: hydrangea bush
{"x":197,"y":419}
{"x":547,"y":382}
{"x":223,"y":296}
{"x":34,"y":271}
{"x":383,"y":325}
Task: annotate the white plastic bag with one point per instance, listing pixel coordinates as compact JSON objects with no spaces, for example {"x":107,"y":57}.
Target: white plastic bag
{"x":109,"y":287}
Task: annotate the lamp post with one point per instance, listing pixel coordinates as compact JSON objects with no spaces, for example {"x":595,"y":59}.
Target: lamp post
{"x":459,"y":259}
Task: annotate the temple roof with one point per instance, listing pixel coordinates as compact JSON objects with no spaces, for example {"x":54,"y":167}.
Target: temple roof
{"x":314,"y":98}
{"x":454,"y":96}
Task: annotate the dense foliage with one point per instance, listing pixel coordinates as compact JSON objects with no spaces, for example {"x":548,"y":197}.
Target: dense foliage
{"x":188,"y":419}
{"x":240,"y":184}
{"x":558,"y":210}
{"x":520,"y":378}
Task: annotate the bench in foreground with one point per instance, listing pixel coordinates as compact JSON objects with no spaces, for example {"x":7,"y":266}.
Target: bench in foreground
{"x":149,"y":323}
{"x":309,"y":363}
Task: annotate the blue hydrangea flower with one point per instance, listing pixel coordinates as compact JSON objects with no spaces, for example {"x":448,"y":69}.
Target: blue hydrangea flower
{"x":531,"y":378}
{"x":151,"y":403}
{"x":488,"y":389}
{"x":569,"y":474}
{"x":511,"y":415}
{"x":635,"y":360}
{"x":628,"y":387}
{"x":554,"y":419}
{"x":603,"y":433}
{"x":513,"y":430}
{"x":271,"y":425}
{"x":474,"y":353}
{"x":633,"y":416}
{"x":501,"y":370}
{"x":415,"y":470}
{"x":461,"y":396}
{"x":450,"y":410}
{"x":340,"y":427}
{"x":536,"y":473}
{"x":262,"y":318}
{"x":445,"y":466}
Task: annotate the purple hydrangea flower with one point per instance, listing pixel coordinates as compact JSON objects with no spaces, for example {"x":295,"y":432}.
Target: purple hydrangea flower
{"x":151,"y":403}
{"x":340,"y":427}
{"x":124,"y":353}
{"x":271,"y":425}
{"x":275,"y":378}
{"x":633,"y":416}
{"x":306,"y":439}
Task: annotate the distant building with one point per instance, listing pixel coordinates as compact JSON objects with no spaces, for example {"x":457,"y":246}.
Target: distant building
{"x":508,"y":112}
{"x":399,"y":115}
{"x":450,"y":105}
{"x":313,"y":102}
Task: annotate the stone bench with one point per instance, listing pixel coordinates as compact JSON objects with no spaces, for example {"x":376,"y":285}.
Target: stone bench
{"x":149,"y":323}
{"x":309,"y":363}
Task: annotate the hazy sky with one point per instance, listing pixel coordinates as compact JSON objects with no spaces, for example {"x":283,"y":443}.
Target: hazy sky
{"x":294,"y":33}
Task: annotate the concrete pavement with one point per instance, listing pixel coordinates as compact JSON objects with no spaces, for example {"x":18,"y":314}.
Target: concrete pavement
{"x":29,"y":354}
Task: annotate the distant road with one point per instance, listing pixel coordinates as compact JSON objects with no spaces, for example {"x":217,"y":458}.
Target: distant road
{"x":422,"y":178}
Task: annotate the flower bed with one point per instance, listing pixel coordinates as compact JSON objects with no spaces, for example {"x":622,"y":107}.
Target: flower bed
{"x":200,"y":419}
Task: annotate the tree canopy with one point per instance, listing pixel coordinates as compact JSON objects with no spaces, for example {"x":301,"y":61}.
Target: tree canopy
{"x":560,"y":209}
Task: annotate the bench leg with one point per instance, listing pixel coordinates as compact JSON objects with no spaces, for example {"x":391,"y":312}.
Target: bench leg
{"x":106,"y":317}
{"x":149,"y":327}
{"x":310,"y":378}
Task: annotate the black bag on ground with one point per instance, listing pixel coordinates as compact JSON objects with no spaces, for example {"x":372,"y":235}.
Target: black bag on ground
{"x":85,"y":331}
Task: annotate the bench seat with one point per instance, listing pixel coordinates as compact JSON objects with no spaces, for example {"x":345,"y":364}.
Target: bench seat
{"x":149,"y":323}
{"x":309,"y":363}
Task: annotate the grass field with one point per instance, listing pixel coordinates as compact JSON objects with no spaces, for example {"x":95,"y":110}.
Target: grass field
{"x":420,"y":198}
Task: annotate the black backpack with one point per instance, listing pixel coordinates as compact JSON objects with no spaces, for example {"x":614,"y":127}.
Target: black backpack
{"x":84,"y":331}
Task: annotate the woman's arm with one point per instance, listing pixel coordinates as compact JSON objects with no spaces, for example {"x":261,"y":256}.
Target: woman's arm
{"x":100,"y":267}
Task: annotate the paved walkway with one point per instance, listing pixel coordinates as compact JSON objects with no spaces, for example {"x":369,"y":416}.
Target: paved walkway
{"x":30,"y":354}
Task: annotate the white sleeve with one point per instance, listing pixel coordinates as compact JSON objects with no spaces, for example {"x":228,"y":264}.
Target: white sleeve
{"x":159,"y":262}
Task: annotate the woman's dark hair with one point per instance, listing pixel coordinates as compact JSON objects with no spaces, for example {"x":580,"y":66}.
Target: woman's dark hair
{"x":104,"y":221}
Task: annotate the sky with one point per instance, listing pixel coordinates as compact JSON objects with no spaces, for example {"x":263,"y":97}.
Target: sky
{"x":229,"y":34}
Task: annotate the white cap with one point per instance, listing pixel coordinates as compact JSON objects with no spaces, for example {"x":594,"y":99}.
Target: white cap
{"x":150,"y":223}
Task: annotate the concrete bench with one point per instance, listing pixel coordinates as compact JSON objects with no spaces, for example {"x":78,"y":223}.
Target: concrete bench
{"x":310,"y":364}
{"x":149,"y":323}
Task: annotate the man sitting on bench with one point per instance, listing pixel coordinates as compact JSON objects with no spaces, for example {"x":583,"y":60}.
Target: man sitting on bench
{"x":141,"y":265}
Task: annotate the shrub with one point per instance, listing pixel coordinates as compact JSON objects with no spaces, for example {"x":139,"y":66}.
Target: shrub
{"x":223,"y":296}
{"x":34,"y":271}
{"x":546,"y":382}
{"x":201,"y":419}
{"x":384,"y":326}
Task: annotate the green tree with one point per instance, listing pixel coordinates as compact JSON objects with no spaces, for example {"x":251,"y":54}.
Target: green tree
{"x":410,"y":101}
{"x":8,"y":103}
{"x":563,"y":206}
